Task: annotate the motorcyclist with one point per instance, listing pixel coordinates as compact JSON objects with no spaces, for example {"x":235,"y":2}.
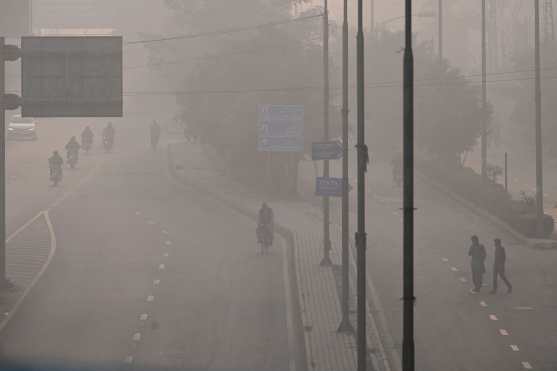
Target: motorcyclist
{"x":72,"y":151}
{"x":265,"y":222}
{"x":108,"y":136}
{"x":87,"y":138}
{"x":155,"y":135}
{"x":55,"y":163}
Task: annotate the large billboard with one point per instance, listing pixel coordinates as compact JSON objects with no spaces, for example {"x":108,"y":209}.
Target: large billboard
{"x":15,"y":18}
{"x":72,"y":76}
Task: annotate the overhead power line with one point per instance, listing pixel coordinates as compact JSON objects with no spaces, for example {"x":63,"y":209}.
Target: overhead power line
{"x":223,"y":31}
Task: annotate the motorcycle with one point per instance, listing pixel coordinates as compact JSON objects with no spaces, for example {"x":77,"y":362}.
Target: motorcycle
{"x":264,"y":238}
{"x":56,"y":175}
{"x":72,"y":159}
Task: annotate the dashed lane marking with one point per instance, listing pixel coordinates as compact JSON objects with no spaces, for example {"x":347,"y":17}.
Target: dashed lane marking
{"x":483,"y":304}
{"x":523,"y":308}
{"x":168,"y":243}
{"x":454,"y":269}
{"x":137,"y":336}
{"x":156,"y":283}
{"x":138,"y":213}
{"x":514,"y":347}
{"x":493,"y":317}
{"x":164,"y":231}
{"x":445,"y":260}
{"x":503,"y":332}
{"x":162,"y":267}
{"x":143,"y":317}
{"x":166,"y":255}
{"x":151,"y":222}
{"x":129,"y":360}
{"x":463,"y":279}
{"x":527,"y":365}
{"x":150,"y":298}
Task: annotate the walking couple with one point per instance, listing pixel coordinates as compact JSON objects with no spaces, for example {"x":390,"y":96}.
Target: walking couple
{"x":478,"y":255}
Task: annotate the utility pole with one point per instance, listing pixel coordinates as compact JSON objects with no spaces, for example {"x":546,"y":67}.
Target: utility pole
{"x":371,"y":16}
{"x":484,"y":95}
{"x":7,"y":101}
{"x":408,"y":356}
{"x":440,"y":33}
{"x":538,"y":122}
{"x":326,"y":260}
{"x":363,"y":160}
{"x":345,"y":325}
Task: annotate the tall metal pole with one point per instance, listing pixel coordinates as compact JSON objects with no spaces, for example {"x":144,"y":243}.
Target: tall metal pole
{"x":484,"y":95}
{"x":326,"y":260}
{"x":362,"y":168}
{"x":3,"y":279}
{"x":506,"y":172}
{"x":440,"y":32}
{"x":371,"y":16}
{"x":345,"y":325}
{"x":538,"y":100}
{"x":408,"y":356}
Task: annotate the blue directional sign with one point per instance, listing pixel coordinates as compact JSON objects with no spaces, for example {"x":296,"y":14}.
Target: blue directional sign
{"x":328,"y":187}
{"x":326,"y":150}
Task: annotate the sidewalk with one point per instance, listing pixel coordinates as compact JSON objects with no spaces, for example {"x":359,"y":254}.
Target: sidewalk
{"x":317,"y":286}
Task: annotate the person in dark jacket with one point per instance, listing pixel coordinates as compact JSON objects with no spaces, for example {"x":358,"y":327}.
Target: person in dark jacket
{"x":500,"y":258}
{"x":477,"y":262}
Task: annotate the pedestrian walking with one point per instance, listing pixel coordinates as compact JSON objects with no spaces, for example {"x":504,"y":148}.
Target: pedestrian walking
{"x":477,"y":262}
{"x":500,"y":258}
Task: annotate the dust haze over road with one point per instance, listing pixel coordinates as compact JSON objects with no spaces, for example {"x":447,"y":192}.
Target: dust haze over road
{"x":159,"y":252}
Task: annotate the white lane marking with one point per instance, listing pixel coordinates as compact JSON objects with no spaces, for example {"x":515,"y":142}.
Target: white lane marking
{"x":523,"y":308}
{"x":150,"y":298}
{"x":463,"y":279}
{"x":151,"y":222}
{"x":445,"y":260}
{"x":483,"y":304}
{"x":527,"y":365}
{"x":24,"y":226}
{"x":454,"y":269}
{"x":129,"y":359}
{"x":493,"y":317}
{"x":166,"y":255}
{"x":514,"y":347}
{"x":162,"y":267}
{"x":137,"y":213}
{"x":143,"y":317}
{"x":156,"y":283}
{"x":137,"y":336}
{"x":503,"y":332}
{"x":168,"y":243}
{"x":164,"y":231}
{"x":11,"y":313}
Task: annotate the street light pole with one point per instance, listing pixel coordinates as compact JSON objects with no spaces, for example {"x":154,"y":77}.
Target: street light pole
{"x":345,"y":325}
{"x":361,"y":236}
{"x":538,"y":123}
{"x":371,"y":16}
{"x":408,"y":356}
{"x":440,"y":32}
{"x":484,"y":95}
{"x":326,"y":260}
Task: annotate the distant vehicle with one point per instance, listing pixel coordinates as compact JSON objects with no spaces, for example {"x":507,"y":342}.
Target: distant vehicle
{"x":22,"y":128}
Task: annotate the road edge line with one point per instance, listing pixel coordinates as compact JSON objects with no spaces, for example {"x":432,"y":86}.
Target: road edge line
{"x":53,"y":245}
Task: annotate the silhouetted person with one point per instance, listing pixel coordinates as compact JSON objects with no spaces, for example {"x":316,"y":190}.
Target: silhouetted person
{"x":477,"y":262}
{"x":155,"y":135}
{"x":499,"y":267}
{"x":87,"y":137}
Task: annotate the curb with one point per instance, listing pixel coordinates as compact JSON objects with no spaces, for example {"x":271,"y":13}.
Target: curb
{"x":299,"y":361}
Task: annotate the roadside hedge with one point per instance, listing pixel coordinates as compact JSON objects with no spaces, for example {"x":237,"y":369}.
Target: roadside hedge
{"x":488,"y":195}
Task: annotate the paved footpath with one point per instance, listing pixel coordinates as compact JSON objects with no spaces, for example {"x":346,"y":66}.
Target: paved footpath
{"x":325,"y":348}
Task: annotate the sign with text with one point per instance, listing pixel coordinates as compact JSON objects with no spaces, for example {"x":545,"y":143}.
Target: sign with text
{"x":328,"y":187}
{"x":15,"y":18}
{"x":326,"y":150}
{"x":280,"y":128}
{"x":72,"y":76}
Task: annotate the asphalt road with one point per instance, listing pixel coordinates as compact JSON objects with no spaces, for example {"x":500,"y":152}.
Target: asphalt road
{"x":151,"y":273}
{"x":457,"y":330}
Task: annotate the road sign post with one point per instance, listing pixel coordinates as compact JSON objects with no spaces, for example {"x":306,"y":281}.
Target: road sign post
{"x":329,"y":187}
{"x":326,"y":150}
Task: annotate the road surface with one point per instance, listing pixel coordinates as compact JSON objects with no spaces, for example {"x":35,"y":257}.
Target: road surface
{"x":151,"y":273}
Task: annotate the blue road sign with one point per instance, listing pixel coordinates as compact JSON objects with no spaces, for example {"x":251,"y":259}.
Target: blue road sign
{"x":280,"y":128}
{"x":328,"y":187}
{"x":326,"y":150}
